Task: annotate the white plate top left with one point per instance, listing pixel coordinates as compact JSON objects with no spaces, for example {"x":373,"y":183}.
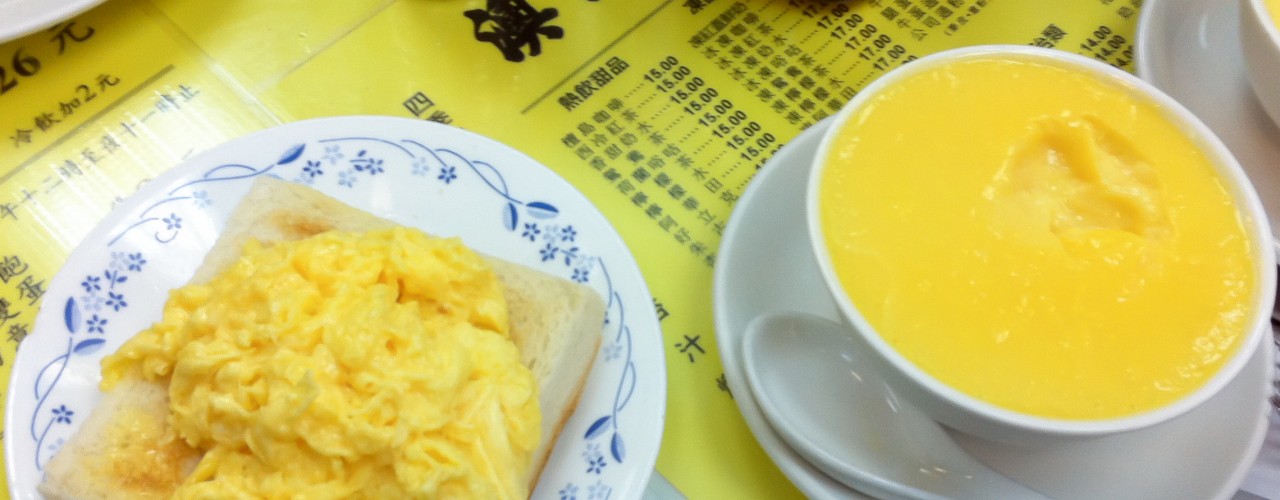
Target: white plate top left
{"x":24,"y":17}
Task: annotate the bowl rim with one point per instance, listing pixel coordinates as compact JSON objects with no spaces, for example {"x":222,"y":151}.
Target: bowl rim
{"x":1268,"y":19}
{"x":1253,"y":217}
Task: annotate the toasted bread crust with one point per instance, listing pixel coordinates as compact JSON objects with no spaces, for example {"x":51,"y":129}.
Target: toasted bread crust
{"x":130,"y":424}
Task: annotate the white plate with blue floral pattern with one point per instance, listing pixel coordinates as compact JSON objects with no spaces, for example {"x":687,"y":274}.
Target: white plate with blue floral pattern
{"x":444,"y":180}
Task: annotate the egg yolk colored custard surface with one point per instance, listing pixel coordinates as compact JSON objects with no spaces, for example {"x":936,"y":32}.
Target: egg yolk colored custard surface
{"x":345,"y":366}
{"x":1038,"y":239}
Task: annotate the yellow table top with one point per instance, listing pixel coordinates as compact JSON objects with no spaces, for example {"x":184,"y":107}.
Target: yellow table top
{"x":96,"y":105}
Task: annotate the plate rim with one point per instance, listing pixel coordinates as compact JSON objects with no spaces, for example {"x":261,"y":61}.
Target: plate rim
{"x":1154,"y":18}
{"x":44,"y":17}
{"x":804,"y":476}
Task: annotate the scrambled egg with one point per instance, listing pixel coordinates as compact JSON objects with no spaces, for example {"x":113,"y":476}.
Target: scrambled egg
{"x":345,"y":365}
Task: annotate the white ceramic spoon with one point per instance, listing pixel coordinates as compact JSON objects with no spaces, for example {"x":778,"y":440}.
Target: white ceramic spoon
{"x":821,"y":396}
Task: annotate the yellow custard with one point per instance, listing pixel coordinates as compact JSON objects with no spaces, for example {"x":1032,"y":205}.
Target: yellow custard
{"x":1038,"y":238}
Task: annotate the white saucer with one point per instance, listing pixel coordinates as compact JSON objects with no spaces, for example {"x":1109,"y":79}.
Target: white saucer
{"x":765,"y":265}
{"x":1190,"y":49}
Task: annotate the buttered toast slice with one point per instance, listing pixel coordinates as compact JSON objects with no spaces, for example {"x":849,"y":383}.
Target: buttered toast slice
{"x":555,"y":323}
{"x":123,"y":450}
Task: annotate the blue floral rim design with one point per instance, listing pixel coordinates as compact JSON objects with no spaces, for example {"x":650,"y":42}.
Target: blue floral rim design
{"x":343,"y":163}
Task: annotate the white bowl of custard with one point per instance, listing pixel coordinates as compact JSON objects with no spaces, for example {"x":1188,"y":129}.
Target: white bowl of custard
{"x":1032,"y":245}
